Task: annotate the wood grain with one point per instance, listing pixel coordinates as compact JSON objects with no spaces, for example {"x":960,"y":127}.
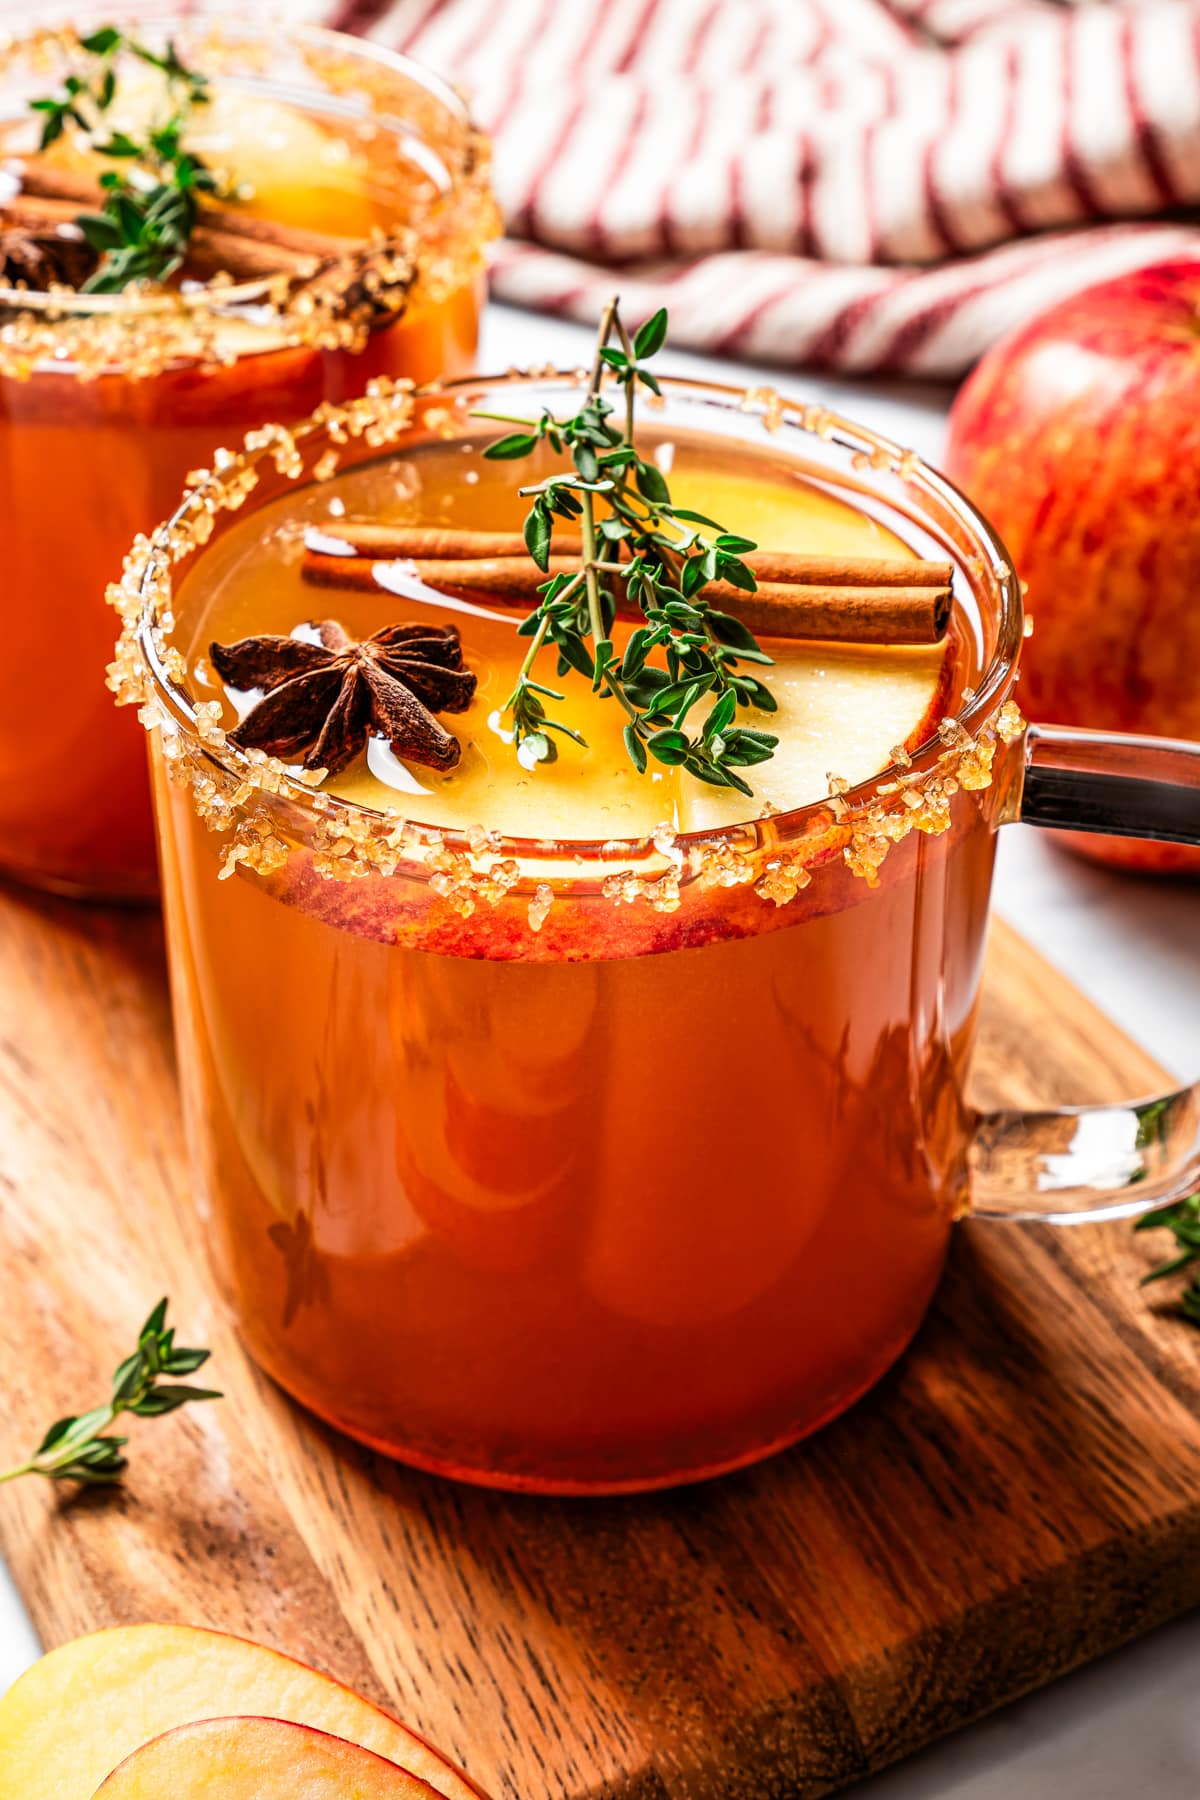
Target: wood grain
{"x":1021,"y":1494}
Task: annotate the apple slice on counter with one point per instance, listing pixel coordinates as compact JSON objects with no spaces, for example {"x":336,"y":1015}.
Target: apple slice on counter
{"x":257,"y":1759}
{"x":72,"y":1718}
{"x":842,"y":710}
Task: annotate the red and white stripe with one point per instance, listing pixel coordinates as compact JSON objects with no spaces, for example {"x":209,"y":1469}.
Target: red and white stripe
{"x":931,"y":321}
{"x":871,"y":184}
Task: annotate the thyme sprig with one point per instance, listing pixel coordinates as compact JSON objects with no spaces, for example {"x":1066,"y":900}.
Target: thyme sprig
{"x":79,"y":1448}
{"x":686,"y":650}
{"x":1182,"y":1219}
{"x":151,"y":203}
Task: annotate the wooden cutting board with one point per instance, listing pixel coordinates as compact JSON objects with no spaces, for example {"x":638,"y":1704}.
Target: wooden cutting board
{"x":1021,"y":1494}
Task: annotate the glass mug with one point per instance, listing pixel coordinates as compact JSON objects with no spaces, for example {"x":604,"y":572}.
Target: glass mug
{"x":97,"y":433}
{"x":538,"y":1190}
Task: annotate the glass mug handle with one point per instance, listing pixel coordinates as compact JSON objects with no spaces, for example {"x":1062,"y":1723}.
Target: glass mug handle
{"x":1071,"y":1165}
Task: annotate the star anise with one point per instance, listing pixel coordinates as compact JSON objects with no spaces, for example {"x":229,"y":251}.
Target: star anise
{"x":41,"y":260}
{"x":322,"y":700}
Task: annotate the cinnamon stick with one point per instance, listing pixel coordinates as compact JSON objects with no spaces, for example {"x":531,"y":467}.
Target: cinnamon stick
{"x":212,"y":251}
{"x":41,"y":181}
{"x":836,"y":612}
{"x":843,"y":615}
{"x":451,"y":543}
{"x":458,"y":544}
{"x":39,"y":213}
{"x":225,"y":238}
{"x":44,"y":180}
{"x":508,"y":577}
{"x":209,"y":250}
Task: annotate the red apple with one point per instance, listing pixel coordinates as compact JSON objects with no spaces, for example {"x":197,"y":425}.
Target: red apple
{"x":1079,"y":438}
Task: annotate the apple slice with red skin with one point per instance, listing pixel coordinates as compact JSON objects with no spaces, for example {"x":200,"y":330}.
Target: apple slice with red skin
{"x":843,"y":710}
{"x":257,"y":1759}
{"x":79,"y":1712}
{"x":1078,"y":436}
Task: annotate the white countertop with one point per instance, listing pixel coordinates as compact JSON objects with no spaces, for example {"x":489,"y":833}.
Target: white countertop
{"x":1131,"y":1724}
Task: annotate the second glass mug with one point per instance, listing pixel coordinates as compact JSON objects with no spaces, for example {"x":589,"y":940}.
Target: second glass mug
{"x":91,"y":454}
{"x":543,"y":1191}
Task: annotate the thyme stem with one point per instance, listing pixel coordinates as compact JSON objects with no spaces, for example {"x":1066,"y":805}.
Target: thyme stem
{"x":685,"y":652}
{"x":539,"y":638}
{"x":587,"y":526}
{"x":627,"y":349}
{"x":603,"y":333}
{"x":78,"y":1449}
{"x":477,"y":412}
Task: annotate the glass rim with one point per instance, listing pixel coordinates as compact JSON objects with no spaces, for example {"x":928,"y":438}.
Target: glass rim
{"x":974,"y":714}
{"x":65,"y":307}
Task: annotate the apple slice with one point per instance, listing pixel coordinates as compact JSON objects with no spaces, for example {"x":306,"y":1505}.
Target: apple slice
{"x":500,"y":1111}
{"x":80,"y":1711}
{"x":290,"y":166}
{"x":649,"y":1256}
{"x":842,"y":710}
{"x":257,"y":1759}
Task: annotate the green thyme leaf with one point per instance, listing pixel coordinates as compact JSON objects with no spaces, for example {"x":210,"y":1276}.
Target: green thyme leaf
{"x":517,"y":443}
{"x":635,"y":747}
{"x":650,"y":337}
{"x":80,"y":1447}
{"x":102,"y":42}
{"x":669,"y":746}
{"x":537,"y":536}
{"x":1182,"y":1219}
{"x":651,"y":482}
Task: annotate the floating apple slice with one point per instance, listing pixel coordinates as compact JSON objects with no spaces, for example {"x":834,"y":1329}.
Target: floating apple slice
{"x":842,"y":708}
{"x":257,"y":1759}
{"x":648,"y":1255}
{"x":292,"y":168}
{"x":79,"y":1712}
{"x":495,"y":1122}
{"x":592,"y":792}
{"x":842,"y":711}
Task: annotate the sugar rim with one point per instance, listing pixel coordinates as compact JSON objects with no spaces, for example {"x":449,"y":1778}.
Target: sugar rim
{"x":66,"y":312}
{"x":150,"y":673}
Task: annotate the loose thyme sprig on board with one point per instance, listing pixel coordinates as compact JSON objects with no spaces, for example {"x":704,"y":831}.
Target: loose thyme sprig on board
{"x":686,"y":651}
{"x":77,"y":1449}
{"x":149,"y":213}
{"x":1183,"y":1220}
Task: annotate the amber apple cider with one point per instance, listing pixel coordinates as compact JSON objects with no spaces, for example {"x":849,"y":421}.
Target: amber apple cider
{"x":635,"y":1196}
{"x":86,"y":463}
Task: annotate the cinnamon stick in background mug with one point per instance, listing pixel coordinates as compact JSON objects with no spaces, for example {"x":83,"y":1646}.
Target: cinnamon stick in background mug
{"x":157,"y":306}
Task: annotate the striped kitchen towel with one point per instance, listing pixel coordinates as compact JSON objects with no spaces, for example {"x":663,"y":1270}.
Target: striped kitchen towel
{"x":869,"y":185}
